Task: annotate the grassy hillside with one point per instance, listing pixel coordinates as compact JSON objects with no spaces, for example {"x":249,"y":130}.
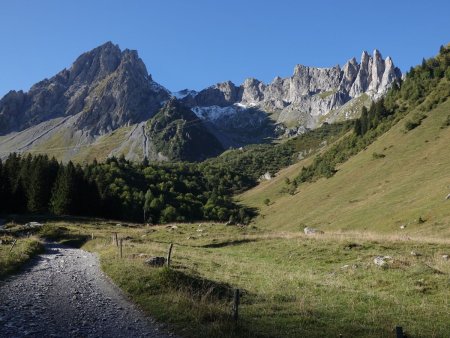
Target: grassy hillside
{"x":401,"y":177}
{"x":392,"y":172}
{"x":103,"y":146}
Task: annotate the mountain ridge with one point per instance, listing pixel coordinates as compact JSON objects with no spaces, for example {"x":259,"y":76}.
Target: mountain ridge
{"x":309,"y":93}
{"x":107,"y":90}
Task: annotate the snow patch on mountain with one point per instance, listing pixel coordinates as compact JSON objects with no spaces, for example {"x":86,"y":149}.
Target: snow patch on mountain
{"x":184,"y":93}
{"x":213,"y":113}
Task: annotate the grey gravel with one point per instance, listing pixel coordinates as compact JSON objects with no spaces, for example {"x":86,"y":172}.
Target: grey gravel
{"x":63,"y":293}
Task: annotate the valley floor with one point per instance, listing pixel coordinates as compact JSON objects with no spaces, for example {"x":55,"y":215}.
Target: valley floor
{"x":292,"y":285}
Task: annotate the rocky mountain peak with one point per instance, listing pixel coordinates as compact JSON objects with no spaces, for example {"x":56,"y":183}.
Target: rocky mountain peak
{"x":96,"y":63}
{"x":252,"y":91}
{"x":375,"y":75}
{"x":105,"y":88}
{"x":350,"y":72}
{"x":220,"y":94}
{"x":364,"y":58}
{"x":300,"y":70}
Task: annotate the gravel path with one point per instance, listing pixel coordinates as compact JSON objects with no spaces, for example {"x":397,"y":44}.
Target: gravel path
{"x":63,"y":293}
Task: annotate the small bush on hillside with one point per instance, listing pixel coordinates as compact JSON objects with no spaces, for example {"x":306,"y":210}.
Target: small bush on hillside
{"x":415,"y":121}
{"x":377,"y":156}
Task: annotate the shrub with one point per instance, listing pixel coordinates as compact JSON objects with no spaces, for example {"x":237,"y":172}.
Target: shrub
{"x":377,"y":156}
{"x":415,"y":121}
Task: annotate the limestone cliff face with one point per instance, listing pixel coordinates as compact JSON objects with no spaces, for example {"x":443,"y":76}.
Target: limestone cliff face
{"x":306,"y":97}
{"x":107,"y":87}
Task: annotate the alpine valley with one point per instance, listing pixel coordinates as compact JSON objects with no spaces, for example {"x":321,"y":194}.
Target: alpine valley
{"x":316,"y":205}
{"x":107,"y":104}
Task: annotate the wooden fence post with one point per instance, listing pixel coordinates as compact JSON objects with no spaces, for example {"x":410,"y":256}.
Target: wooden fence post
{"x":92,"y":236}
{"x":121,"y":240}
{"x":12,"y":246}
{"x":399,"y":332}
{"x":169,"y":254}
{"x":117,"y":241}
{"x":235,"y":308}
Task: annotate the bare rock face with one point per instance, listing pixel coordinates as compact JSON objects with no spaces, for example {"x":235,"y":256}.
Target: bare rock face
{"x":127,"y":95}
{"x":350,"y":72}
{"x":108,"y":86}
{"x":375,"y":75}
{"x":307,"y":97}
{"x":252,"y":91}
{"x":221,"y":94}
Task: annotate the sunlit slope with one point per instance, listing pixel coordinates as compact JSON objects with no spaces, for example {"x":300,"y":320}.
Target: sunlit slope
{"x":371,"y":192}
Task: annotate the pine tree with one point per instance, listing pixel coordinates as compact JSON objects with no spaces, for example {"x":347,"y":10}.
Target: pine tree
{"x":35,"y":188}
{"x":424,"y":63}
{"x":364,"y":120}
{"x":64,"y":191}
{"x":18,"y":197}
{"x":147,"y":206}
{"x":357,"y":128}
{"x":5,"y":192}
{"x":42,"y":175}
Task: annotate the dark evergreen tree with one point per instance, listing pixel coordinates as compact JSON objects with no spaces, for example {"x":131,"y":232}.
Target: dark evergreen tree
{"x":147,"y":206}
{"x":63,"y":194}
{"x":41,"y":179}
{"x":5,"y":192}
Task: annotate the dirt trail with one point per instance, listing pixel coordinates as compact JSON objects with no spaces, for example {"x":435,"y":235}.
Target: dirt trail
{"x":63,"y":293}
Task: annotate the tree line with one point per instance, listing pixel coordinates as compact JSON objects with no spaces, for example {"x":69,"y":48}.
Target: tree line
{"x":119,"y":189}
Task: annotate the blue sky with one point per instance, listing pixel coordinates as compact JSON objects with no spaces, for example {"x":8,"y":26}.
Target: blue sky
{"x":196,"y":43}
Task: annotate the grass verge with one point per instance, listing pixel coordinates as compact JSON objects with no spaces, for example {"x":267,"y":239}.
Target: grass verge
{"x":23,"y":250}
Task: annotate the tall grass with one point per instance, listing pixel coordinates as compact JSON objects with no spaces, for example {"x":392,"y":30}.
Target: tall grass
{"x":23,"y":250}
